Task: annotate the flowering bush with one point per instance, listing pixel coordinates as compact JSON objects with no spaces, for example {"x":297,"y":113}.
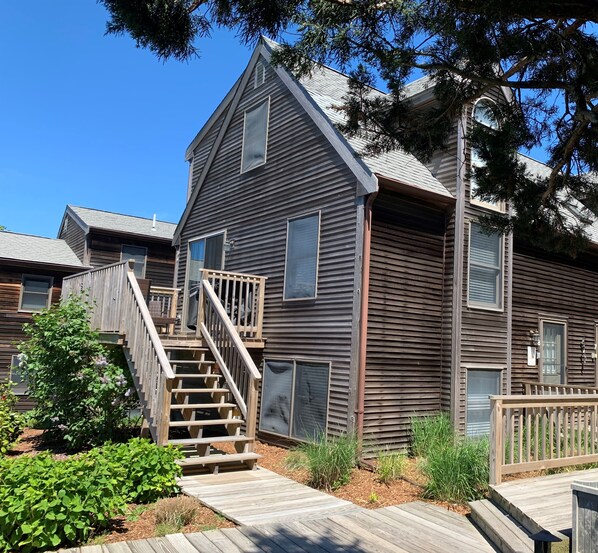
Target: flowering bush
{"x":82,"y":391}
{"x":11,"y":422}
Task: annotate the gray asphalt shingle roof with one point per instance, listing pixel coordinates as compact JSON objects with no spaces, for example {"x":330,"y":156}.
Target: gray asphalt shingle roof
{"x":130,"y":224}
{"x":327,"y":87}
{"x":37,"y":249}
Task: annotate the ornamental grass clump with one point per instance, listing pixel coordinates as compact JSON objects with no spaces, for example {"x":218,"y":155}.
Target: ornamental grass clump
{"x":328,"y":460}
{"x":429,"y":433}
{"x":83,"y":391}
{"x":390,"y":466}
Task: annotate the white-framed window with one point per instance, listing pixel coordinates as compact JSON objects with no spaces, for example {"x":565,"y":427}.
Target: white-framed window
{"x":553,"y":356}
{"x":36,"y":293}
{"x":481,"y":384}
{"x":137,"y":254}
{"x":294,"y":401}
{"x":255,"y":136}
{"x":485,"y":282}
{"x":301,"y":260}
{"x":205,"y":252}
{"x":20,"y":386}
{"x":483,"y":114}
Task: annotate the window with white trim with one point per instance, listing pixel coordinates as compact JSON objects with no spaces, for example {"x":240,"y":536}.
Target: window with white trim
{"x":36,"y":293}
{"x":136,"y":253}
{"x":553,"y":359}
{"x":20,"y":386}
{"x":481,"y":384}
{"x":255,"y":136}
{"x":483,"y":114}
{"x":295,"y":398}
{"x":485,"y":268}
{"x":301,"y":264}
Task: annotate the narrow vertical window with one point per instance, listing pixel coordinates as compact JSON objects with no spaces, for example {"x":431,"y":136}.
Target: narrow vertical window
{"x":485,"y":268}
{"x":259,"y":76}
{"x":255,"y":137}
{"x":138,"y":255}
{"x":301,"y":267}
{"x":554,"y":352}
{"x":36,"y":292}
{"x":481,"y":384}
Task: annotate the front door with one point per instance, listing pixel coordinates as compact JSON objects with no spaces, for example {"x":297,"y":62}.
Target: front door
{"x":204,"y":253}
{"x":553,"y":352}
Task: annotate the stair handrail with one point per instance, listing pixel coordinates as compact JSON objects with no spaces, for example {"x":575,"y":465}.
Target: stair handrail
{"x":119,"y":306}
{"x":230,"y":353}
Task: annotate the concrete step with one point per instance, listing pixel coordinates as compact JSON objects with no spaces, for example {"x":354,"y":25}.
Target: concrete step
{"x":500,"y":528}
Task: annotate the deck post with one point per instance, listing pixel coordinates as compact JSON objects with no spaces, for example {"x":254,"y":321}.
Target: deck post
{"x":164,"y":415}
{"x":251,"y":421}
{"x":496,"y":441}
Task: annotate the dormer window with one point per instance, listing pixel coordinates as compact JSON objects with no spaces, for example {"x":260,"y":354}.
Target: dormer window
{"x":255,"y":136}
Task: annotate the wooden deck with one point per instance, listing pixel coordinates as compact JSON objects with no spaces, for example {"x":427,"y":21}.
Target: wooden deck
{"x":410,"y":528}
{"x":541,"y":504}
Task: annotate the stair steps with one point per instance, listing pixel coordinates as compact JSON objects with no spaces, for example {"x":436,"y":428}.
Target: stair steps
{"x":205,"y":422}
{"x":200,"y":391}
{"x":219,"y":458}
{"x":181,"y":406}
{"x":185,"y":376}
{"x":500,"y":528}
{"x":208,"y":441}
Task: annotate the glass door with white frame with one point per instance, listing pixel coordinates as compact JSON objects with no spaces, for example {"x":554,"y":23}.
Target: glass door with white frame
{"x":553,"y":353}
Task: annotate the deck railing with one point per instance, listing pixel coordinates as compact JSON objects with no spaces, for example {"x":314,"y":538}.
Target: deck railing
{"x":162,"y":303}
{"x":118,"y":305}
{"x":242,"y":297}
{"x":534,"y":432}
{"x":543,"y":388}
{"x":230,"y":353}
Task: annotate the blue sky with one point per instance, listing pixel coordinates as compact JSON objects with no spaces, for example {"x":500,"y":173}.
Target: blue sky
{"x":91,"y":120}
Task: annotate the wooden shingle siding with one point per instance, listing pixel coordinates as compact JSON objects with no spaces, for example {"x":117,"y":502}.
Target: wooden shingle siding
{"x":302,"y":174}
{"x":74,"y":236}
{"x":105,"y":249}
{"x":403,"y":375}
{"x":551,"y":286}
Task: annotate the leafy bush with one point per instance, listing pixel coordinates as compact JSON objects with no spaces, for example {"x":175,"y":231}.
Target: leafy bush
{"x":458,"y":472}
{"x":430,"y":433}
{"x":11,"y":422}
{"x":81,"y":390}
{"x":329,"y":460}
{"x":46,"y":503}
{"x":150,"y":472}
{"x":390,"y":466}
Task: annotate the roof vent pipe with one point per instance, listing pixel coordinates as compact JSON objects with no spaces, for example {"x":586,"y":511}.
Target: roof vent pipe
{"x":154,"y":223}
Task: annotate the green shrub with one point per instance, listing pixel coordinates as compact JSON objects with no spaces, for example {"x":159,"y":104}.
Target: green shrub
{"x":329,"y":460}
{"x":429,"y":433}
{"x":458,"y":472}
{"x":150,"y":472}
{"x":391,"y":466}
{"x":47,"y":503}
{"x":82,"y":392}
{"x":11,"y":422}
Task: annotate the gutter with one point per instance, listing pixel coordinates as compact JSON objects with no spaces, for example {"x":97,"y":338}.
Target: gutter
{"x":363,"y":321}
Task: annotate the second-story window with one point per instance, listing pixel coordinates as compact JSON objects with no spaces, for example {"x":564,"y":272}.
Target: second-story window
{"x":301,"y":266}
{"x":255,"y":136}
{"x":137,"y":254}
{"x":485,"y":268}
{"x":36,"y":293}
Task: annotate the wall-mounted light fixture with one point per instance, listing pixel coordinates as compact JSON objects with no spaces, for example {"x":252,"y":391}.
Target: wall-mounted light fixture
{"x":534,"y":336}
{"x":229,"y":245}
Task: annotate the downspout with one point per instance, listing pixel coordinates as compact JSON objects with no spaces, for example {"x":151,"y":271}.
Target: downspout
{"x":363,"y":320}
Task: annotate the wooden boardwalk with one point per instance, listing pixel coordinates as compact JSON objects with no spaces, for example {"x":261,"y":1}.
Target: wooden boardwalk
{"x":258,"y":496}
{"x":542,"y":503}
{"x":410,"y":528}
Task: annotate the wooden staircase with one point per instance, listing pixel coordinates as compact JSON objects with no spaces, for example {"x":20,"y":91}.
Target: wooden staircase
{"x":196,"y":392}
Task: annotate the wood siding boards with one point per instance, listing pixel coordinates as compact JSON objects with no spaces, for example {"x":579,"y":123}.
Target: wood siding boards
{"x":546,"y":286}
{"x":74,"y":236}
{"x":303,"y":174}
{"x":403,"y":375}
{"x":105,"y":249}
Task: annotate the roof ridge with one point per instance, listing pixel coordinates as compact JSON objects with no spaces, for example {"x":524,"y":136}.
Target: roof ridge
{"x":31,"y":235}
{"x":120,"y":214}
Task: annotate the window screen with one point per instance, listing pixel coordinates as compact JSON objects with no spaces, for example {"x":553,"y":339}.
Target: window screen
{"x":294,"y":398}
{"x":36,"y":293}
{"x":20,"y":386}
{"x":481,"y":385}
{"x":485,"y":268}
{"x":137,"y":254}
{"x":302,"y":257}
{"x":255,"y":134}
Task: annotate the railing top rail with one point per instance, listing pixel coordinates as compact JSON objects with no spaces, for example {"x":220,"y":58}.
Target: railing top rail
{"x":215,"y":301}
{"x":94,"y":270}
{"x":233,"y":275}
{"x":163,"y":289}
{"x":151,"y":330}
{"x":565,"y":386}
{"x":568,"y":400}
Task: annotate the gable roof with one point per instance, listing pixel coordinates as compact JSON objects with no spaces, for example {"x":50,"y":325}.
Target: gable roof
{"x":26,"y":248}
{"x":317,"y":96}
{"x":88,"y":218}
